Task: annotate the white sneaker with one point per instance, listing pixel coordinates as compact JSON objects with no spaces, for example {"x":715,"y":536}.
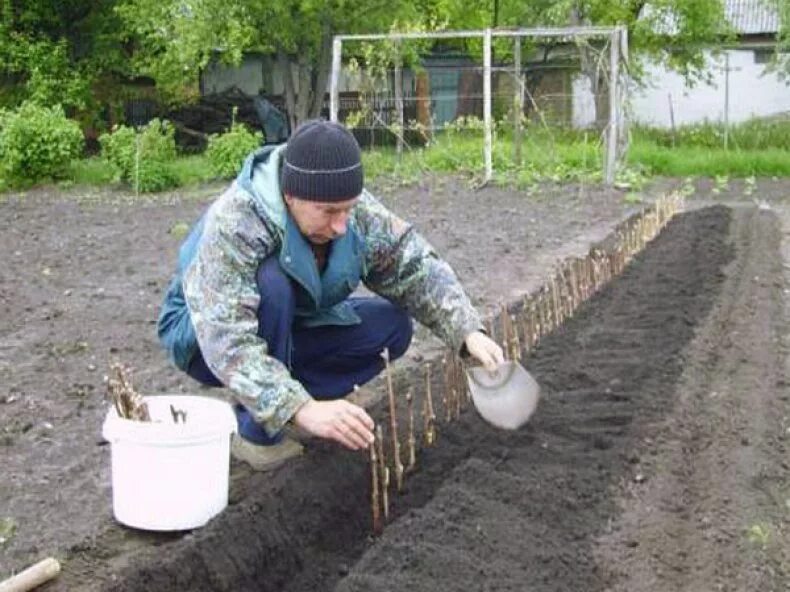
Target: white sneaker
{"x":264,"y":458}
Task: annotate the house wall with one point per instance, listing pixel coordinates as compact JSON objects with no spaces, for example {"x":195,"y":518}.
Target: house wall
{"x":247,"y":76}
{"x":554,"y":97}
{"x":261,"y":72}
{"x":584,"y":114}
{"x":753,"y":92}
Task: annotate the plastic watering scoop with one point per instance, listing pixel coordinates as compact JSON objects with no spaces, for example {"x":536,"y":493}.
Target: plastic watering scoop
{"x":505,"y":399}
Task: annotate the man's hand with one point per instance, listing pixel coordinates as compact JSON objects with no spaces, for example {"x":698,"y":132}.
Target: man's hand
{"x":485,"y":349}
{"x":339,"y":420}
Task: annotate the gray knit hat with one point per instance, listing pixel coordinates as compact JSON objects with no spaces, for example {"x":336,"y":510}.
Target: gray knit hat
{"x":322,"y":163}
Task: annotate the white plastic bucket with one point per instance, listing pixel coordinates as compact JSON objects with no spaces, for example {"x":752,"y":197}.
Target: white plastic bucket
{"x":167,"y":475}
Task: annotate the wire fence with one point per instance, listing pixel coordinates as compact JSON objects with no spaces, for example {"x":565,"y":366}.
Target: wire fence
{"x":538,"y":88}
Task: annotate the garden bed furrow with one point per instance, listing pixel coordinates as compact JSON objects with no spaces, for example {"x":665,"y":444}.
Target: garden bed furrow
{"x":313,"y":523}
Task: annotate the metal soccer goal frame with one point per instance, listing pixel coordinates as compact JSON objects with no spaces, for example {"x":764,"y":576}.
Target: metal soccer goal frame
{"x":617,"y":38}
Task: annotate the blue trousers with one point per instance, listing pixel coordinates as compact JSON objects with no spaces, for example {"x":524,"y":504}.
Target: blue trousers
{"x":329,"y":360}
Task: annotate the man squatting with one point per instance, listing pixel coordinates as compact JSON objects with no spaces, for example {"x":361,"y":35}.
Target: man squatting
{"x":260,"y":302}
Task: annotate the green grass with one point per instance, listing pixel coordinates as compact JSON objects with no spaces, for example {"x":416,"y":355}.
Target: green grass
{"x":91,"y":171}
{"x":568,"y":155}
{"x":691,"y":160}
{"x":188,"y":170}
{"x":191,"y":170}
{"x":558,"y":158}
{"x":755,"y":134}
{"x":757,"y":148}
{"x":543,"y":158}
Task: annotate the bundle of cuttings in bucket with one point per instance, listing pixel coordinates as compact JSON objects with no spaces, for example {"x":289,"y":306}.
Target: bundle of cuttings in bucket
{"x":128,"y":402}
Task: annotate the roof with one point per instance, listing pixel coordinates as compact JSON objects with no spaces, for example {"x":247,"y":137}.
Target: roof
{"x":752,"y":17}
{"x":747,"y":17}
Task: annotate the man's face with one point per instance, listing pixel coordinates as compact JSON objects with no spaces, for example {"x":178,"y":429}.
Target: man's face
{"x":320,"y":222}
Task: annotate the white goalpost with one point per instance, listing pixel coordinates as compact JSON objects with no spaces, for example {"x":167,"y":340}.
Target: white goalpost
{"x":615,"y":39}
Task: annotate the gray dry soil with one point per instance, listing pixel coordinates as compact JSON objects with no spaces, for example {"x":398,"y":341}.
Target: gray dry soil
{"x":657,"y":461}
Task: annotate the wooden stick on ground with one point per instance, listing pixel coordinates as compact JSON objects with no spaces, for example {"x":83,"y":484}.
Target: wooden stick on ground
{"x":510,"y":330}
{"x":564,"y":292}
{"x":595,"y":281}
{"x":555,"y":302}
{"x":547,"y":326}
{"x":570,"y":288}
{"x":504,"y":319}
{"x":446,"y":394}
{"x":539,"y":316}
{"x":575,"y":288}
{"x":516,"y":340}
{"x":463,"y":385}
{"x":32,"y":577}
{"x":529,"y":324}
{"x":570,"y":284}
{"x":384,"y":473}
{"x":375,"y":495}
{"x":451,"y":381}
{"x":537,"y":320}
{"x":411,"y":442}
{"x":455,"y":389}
{"x":375,"y":499}
{"x":393,"y":422}
{"x":452,"y":376}
{"x":429,"y":431}
{"x":587,"y":277}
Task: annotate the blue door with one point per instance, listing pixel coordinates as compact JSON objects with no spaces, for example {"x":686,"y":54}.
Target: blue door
{"x":444,"y":95}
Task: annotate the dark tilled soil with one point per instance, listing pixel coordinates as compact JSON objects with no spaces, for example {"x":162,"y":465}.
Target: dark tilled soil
{"x":654,"y":461}
{"x":714,"y":512}
{"x":560,"y":504}
{"x":659,"y":444}
{"x":81,"y":282}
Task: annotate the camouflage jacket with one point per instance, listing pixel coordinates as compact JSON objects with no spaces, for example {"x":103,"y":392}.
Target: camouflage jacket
{"x":213,"y":300}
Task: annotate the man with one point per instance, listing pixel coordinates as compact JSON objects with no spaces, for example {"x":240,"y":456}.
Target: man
{"x":260,"y":302}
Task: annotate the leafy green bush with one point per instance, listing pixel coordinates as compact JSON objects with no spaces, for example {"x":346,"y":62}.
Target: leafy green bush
{"x":142,"y":158}
{"x":36,"y":143}
{"x":119,"y":149}
{"x":227,"y":151}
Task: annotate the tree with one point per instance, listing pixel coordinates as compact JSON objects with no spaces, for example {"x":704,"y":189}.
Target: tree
{"x":177,"y":39}
{"x":55,"y":52}
{"x":782,"y":59}
{"x":673,"y":32}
